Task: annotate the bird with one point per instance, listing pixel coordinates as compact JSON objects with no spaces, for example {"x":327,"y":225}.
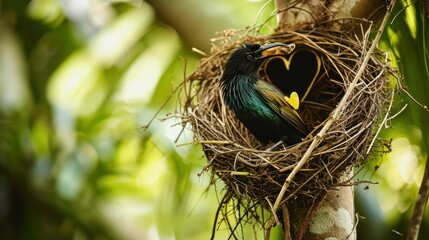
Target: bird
{"x":263,"y":109}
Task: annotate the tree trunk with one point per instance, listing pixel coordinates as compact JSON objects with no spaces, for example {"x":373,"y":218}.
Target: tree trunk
{"x":335,"y":216}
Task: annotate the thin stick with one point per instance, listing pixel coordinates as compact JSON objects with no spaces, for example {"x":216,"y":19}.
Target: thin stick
{"x":204,"y":142}
{"x":223,"y":201}
{"x":341,"y":106}
{"x":271,"y":207}
{"x":268,"y":232}
{"x":286,"y":223}
{"x":411,"y":96}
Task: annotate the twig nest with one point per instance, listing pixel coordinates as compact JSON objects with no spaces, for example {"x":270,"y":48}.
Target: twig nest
{"x":258,"y":175}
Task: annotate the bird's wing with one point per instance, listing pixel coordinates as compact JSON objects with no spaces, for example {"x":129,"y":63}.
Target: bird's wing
{"x":275,"y":100}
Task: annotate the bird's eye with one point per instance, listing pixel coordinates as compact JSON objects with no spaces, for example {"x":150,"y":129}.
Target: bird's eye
{"x":249,"y":57}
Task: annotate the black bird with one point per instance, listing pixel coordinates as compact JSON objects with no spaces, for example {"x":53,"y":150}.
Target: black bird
{"x":259,"y":105}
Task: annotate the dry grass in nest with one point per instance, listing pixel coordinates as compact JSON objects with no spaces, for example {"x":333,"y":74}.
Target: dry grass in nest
{"x":257,"y":175}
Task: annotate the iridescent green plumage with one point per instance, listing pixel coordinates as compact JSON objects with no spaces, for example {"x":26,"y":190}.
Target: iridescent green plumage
{"x":259,"y":105}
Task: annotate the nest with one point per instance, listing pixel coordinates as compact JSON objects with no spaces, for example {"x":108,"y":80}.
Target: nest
{"x":258,"y":175}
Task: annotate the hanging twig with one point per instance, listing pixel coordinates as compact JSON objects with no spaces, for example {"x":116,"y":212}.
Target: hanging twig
{"x":424,"y":107}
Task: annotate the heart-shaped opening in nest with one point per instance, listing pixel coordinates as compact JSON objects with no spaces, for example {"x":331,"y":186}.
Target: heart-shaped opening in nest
{"x":296,"y":71}
{"x":305,"y":71}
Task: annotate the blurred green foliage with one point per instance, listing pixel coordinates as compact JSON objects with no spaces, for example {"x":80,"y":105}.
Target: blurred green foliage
{"x":79,"y":78}
{"x":399,"y":173}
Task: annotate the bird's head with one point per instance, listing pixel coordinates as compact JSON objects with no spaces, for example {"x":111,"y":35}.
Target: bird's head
{"x":249,"y":57}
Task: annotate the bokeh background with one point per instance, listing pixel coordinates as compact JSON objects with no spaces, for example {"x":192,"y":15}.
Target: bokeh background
{"x":79,"y":79}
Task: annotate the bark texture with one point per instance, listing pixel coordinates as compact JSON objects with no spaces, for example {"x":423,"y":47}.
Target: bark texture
{"x":334,"y":218}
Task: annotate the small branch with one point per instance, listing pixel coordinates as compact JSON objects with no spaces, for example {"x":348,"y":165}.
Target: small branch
{"x":286,"y":223}
{"x":223,"y":201}
{"x":341,"y":106}
{"x":419,"y":209}
{"x":268,"y":232}
{"x":271,"y":207}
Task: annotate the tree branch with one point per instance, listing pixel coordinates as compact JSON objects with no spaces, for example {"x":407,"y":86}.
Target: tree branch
{"x":419,"y":209}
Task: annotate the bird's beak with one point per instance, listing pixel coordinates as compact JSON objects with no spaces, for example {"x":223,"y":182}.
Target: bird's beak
{"x":274,"y":49}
